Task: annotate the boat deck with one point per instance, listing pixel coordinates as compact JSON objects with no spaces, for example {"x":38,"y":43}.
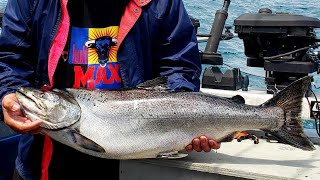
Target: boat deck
{"x":233,"y":160}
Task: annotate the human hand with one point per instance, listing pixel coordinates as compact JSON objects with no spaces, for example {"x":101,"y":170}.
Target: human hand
{"x":202,"y":144}
{"x":15,"y":119}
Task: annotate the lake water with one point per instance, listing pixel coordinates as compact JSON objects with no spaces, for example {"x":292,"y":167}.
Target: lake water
{"x":232,"y":50}
{"x":2,"y":5}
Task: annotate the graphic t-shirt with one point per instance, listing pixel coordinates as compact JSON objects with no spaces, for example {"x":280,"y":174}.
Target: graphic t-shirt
{"x":91,"y":57}
{"x":89,"y":61}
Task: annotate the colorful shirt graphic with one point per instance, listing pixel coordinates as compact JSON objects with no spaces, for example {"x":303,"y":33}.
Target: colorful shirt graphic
{"x":92,"y":61}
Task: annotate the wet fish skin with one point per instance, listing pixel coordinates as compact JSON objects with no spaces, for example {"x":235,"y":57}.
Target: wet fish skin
{"x":154,"y":125}
{"x":145,"y":122}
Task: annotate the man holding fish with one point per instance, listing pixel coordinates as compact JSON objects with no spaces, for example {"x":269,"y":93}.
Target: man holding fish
{"x":96,"y":44}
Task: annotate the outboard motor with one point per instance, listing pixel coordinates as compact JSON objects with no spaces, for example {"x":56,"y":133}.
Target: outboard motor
{"x":283,"y":44}
{"x":213,"y":77}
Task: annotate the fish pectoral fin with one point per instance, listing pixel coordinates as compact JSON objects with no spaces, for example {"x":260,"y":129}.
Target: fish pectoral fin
{"x":159,"y":83}
{"x":229,"y":137}
{"x":171,"y":155}
{"x":85,"y":142}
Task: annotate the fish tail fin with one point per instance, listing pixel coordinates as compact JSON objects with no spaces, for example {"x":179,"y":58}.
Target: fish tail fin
{"x":290,"y":101}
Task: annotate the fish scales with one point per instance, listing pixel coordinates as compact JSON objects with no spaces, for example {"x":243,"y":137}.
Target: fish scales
{"x":166,"y":121}
{"x":144,"y":123}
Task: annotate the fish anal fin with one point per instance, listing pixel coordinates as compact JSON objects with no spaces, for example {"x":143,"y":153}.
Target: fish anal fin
{"x":171,"y":155}
{"x":229,"y":137}
{"x":85,"y":142}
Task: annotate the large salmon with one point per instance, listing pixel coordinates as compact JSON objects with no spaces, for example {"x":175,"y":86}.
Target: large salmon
{"x":150,"y":120}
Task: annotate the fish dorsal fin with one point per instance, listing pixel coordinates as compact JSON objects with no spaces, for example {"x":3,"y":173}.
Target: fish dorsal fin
{"x":238,"y":99}
{"x":159,"y":83}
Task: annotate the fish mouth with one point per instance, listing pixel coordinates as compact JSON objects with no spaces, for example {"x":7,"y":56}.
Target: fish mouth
{"x":22,"y":93}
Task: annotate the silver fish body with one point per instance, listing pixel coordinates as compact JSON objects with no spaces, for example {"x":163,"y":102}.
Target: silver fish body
{"x":144,"y":123}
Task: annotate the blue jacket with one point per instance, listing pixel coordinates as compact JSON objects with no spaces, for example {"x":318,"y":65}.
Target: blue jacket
{"x":157,"y":39}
